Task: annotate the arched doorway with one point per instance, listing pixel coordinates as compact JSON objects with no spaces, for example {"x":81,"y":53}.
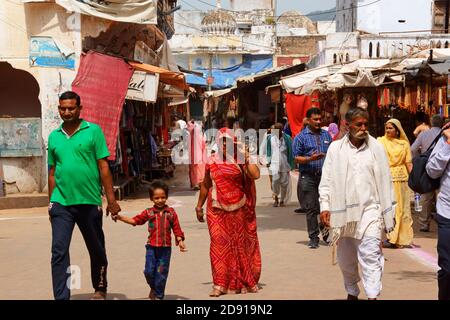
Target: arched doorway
{"x":21,"y":131}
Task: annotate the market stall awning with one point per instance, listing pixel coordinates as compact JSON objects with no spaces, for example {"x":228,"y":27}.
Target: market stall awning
{"x":132,"y":11}
{"x":294,"y":83}
{"x":169,"y":77}
{"x":441,"y":68}
{"x":218,"y":93}
{"x":271,"y":72}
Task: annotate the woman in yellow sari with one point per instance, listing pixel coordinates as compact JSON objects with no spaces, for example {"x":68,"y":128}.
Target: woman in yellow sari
{"x":398,"y":150}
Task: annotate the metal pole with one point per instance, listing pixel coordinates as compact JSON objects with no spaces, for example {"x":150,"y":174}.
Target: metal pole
{"x":210,"y":72}
{"x":351,"y":6}
{"x":447,"y":7}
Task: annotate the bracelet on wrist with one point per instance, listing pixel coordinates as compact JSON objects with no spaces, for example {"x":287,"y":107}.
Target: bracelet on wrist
{"x":198,"y":209}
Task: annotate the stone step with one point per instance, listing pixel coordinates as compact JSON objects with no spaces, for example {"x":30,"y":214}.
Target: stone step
{"x":23,"y":200}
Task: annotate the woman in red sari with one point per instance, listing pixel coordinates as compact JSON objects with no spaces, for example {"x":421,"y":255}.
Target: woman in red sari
{"x":229,"y":189}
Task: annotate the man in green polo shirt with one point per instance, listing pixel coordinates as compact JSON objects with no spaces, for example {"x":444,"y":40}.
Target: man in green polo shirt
{"x":78,"y":166}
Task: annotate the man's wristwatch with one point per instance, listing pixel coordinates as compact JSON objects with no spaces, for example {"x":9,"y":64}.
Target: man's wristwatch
{"x":199,"y":209}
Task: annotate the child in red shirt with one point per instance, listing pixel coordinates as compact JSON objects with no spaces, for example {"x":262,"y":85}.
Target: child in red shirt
{"x":161,"y":220}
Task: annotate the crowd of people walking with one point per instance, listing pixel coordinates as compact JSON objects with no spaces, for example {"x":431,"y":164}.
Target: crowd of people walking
{"x":352,"y":187}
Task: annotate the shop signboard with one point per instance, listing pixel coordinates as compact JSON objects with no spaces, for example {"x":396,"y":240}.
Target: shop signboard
{"x":143,"y":87}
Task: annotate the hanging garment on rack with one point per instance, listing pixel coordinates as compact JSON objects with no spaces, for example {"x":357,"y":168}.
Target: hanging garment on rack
{"x":153,"y":148}
{"x":124,"y":153}
{"x":407,"y":100}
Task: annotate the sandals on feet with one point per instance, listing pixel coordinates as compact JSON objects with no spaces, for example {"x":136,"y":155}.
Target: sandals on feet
{"x":215,"y":293}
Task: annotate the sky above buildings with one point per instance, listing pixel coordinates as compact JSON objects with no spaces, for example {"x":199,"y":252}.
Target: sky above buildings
{"x":304,"y":6}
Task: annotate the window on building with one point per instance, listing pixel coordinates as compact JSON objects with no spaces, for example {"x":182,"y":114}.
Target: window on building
{"x":334,"y":58}
{"x":370,"y":49}
{"x":431,"y":44}
{"x":198,"y":62}
{"x":438,"y":44}
{"x":378,"y":50}
{"x":347,"y":57}
{"x":446,"y":44}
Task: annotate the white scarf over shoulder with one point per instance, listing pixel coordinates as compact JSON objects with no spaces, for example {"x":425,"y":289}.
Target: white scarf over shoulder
{"x":344,"y":207}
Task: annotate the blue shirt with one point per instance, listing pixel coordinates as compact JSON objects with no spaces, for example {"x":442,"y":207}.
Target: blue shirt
{"x":306,"y":143}
{"x":438,"y":167}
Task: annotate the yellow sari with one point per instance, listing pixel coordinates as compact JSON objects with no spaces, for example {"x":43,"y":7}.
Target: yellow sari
{"x":399,"y":154}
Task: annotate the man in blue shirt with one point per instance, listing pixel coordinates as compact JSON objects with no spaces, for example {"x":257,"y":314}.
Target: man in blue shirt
{"x":438,"y":167}
{"x":310,"y":147}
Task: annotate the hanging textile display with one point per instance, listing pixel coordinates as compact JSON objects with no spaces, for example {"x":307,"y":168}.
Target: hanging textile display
{"x":102,"y":83}
{"x":296,"y":108}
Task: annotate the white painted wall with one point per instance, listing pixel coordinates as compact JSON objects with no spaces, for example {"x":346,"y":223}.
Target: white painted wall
{"x":326,"y":27}
{"x":384,"y":16}
{"x":342,"y":43}
{"x":392,"y":46}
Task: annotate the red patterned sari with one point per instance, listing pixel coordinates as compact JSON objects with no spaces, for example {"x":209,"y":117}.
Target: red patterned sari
{"x":234,"y":252}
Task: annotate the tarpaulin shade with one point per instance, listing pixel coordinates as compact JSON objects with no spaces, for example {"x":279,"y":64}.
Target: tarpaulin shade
{"x":133,"y":11}
{"x":169,"y":77}
{"x":296,"y":108}
{"x":102,"y":83}
{"x":224,"y":78}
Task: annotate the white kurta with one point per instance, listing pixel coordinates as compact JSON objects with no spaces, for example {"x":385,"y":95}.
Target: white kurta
{"x":280,"y":170}
{"x":363,"y":244}
{"x":361,"y":181}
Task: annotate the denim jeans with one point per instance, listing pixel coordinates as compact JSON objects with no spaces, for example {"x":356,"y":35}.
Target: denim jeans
{"x":89,"y":221}
{"x":157,"y":263}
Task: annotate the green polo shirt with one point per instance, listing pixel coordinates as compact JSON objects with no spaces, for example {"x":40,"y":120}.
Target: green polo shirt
{"x":75,"y":160}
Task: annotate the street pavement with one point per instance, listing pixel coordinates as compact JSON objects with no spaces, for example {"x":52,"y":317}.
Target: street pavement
{"x":290,"y":270}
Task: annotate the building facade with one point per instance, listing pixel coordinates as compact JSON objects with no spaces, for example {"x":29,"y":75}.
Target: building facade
{"x":41,"y":47}
{"x":371,"y":16}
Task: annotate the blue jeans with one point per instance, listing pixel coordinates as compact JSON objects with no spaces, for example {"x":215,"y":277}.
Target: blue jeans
{"x":443,"y":248}
{"x":157,"y":263}
{"x":89,"y":221}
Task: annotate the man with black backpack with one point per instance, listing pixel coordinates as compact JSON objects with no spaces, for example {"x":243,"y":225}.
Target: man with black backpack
{"x":438,"y":167}
{"x":422,"y":143}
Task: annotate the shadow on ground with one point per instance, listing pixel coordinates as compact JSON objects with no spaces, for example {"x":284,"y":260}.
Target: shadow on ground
{"x":111,"y":296}
{"x":420,"y":276}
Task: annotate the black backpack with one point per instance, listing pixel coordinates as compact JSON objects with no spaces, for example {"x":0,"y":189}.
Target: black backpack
{"x":419,"y":180}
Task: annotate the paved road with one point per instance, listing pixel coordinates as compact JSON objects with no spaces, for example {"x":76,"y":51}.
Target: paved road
{"x":290,"y":269}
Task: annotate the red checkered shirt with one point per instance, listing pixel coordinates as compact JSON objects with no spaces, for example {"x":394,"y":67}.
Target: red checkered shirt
{"x":160,"y":222}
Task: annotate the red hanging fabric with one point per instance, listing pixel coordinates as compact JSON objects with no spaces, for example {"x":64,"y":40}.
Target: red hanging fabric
{"x":102,"y":83}
{"x":296,"y":108}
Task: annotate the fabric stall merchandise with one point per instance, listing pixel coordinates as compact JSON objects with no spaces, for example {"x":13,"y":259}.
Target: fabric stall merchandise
{"x":102,"y":83}
{"x":414,"y":104}
{"x":296,"y":108}
{"x":408,"y":99}
{"x":315,"y":99}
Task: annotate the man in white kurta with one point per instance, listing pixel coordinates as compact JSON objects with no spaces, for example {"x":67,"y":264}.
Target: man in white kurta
{"x":356,"y":223}
{"x":280,"y":169}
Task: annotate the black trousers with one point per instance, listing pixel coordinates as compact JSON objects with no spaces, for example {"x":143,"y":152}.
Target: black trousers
{"x":443,"y":248}
{"x":310,"y":199}
{"x":89,"y":221}
{"x":299,"y":192}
